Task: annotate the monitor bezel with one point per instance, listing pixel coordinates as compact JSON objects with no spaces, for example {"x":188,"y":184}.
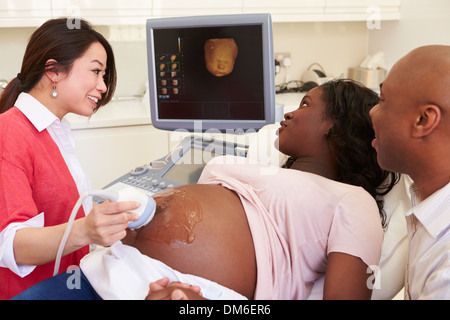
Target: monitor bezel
{"x":239,"y":126}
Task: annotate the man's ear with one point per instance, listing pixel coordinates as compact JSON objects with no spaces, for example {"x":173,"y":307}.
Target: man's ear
{"x":51,"y":70}
{"x":427,"y":121}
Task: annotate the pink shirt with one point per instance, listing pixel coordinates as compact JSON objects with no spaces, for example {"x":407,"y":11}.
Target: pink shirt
{"x":297,"y":219}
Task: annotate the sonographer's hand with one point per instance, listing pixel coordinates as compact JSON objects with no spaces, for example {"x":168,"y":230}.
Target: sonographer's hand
{"x":104,"y":225}
{"x":107,"y":222}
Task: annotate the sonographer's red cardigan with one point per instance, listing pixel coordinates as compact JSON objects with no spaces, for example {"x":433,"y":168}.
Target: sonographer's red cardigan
{"x":33,"y":179}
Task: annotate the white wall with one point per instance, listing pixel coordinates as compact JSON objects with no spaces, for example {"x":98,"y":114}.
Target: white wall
{"x":131,"y":58}
{"x":335,"y":45}
{"x":422,"y":22}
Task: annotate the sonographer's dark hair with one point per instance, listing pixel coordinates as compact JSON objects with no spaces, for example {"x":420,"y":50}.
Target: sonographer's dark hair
{"x":64,"y":41}
{"x":350,"y":139}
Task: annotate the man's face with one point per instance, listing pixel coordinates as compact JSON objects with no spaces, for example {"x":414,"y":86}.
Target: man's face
{"x":392,"y":119}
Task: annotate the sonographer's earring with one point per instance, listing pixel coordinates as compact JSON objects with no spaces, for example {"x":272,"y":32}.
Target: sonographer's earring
{"x":54,"y":93}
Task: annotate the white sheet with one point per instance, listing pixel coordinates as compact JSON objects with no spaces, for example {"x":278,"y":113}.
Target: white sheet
{"x":121,"y":272}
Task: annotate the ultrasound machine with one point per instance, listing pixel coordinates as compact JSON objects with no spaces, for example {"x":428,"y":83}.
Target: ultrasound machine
{"x":186,"y":96}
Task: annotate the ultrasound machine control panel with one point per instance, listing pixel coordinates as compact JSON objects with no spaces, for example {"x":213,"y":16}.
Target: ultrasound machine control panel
{"x":183,"y":165}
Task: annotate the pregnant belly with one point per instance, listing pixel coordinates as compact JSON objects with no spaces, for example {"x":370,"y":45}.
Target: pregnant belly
{"x":201,"y":230}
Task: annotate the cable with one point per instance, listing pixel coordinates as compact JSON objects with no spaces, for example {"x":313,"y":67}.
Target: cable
{"x":316,"y":64}
{"x":111,"y":195}
{"x":292,"y":86}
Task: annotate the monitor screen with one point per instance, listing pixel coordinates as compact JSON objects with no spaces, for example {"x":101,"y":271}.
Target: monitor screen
{"x":211,"y":72}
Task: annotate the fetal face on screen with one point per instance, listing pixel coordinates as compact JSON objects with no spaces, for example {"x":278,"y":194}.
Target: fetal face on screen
{"x":220,"y":55}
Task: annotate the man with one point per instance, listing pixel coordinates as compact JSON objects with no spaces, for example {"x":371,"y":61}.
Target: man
{"x":412,"y":128}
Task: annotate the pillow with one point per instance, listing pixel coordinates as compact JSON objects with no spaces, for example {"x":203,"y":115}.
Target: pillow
{"x":394,"y":250}
{"x":391,"y":273}
{"x":261,"y":147}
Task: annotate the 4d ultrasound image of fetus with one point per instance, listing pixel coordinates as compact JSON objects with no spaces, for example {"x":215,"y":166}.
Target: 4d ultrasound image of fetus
{"x":220,"y":55}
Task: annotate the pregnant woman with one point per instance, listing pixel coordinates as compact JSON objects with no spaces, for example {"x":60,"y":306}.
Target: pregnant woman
{"x":265,"y":236}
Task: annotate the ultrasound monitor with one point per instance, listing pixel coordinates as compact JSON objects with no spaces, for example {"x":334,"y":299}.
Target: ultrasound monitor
{"x":211,"y":72}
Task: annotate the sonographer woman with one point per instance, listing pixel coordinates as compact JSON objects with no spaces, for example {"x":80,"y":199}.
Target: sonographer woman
{"x":66,"y":68}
